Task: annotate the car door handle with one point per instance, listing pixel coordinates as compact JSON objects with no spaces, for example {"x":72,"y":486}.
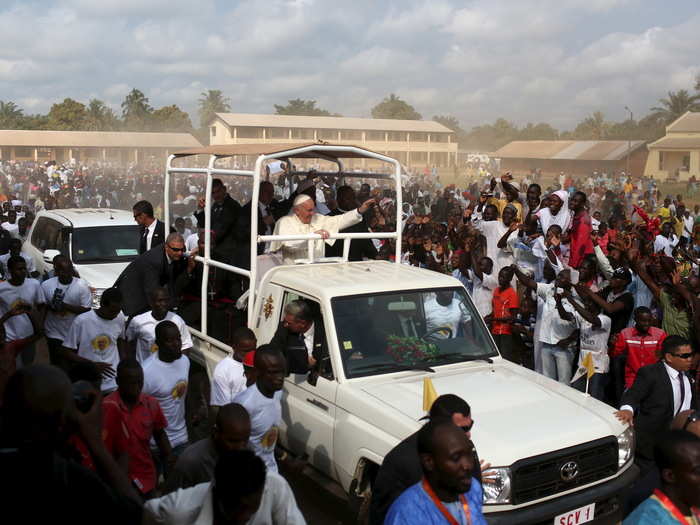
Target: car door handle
{"x":317,"y":404}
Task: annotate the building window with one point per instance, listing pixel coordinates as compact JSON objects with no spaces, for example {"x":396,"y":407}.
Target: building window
{"x":303,"y":133}
{"x":419,"y":157}
{"x":418,"y":137}
{"x":375,"y":136}
{"x":327,"y":134}
{"x":439,"y":137}
{"x":397,"y":136}
{"x":686,"y":163}
{"x":661,"y":161}
{"x":22,"y":151}
{"x":249,"y":133}
{"x":350,"y":135}
{"x":213,"y":131}
{"x":277,"y":133}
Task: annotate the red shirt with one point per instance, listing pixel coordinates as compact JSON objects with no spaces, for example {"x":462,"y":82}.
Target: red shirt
{"x":641,"y":349}
{"x":139,"y":424}
{"x":502,"y":302}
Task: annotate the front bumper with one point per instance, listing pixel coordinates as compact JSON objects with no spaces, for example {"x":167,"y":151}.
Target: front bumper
{"x":607,"y":497}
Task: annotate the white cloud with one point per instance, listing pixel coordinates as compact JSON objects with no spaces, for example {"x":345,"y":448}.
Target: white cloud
{"x":531,"y":60}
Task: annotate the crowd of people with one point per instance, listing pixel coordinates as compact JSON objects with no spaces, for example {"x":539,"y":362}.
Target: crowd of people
{"x":591,"y":281}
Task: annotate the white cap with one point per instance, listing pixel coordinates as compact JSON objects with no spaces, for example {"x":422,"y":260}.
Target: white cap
{"x":300,"y":199}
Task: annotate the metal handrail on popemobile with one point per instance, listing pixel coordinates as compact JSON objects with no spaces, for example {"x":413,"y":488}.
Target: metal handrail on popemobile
{"x":257,"y":174}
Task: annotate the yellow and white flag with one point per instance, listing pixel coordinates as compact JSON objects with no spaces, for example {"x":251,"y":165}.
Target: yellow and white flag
{"x":429,"y":394}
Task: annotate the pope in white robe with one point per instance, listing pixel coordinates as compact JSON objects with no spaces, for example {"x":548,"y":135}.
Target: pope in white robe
{"x":304,"y":220}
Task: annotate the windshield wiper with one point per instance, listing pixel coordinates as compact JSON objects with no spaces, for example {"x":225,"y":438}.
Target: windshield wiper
{"x":464,"y":357}
{"x":394,"y":367}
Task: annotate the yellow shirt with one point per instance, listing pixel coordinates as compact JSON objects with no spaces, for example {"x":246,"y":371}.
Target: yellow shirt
{"x":502,"y":203}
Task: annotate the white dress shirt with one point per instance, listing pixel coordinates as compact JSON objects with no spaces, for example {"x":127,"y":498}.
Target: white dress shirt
{"x":151,"y":229}
{"x":665,"y":244}
{"x":309,"y":338}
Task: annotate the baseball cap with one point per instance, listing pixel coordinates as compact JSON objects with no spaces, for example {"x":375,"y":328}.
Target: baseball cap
{"x":622,"y":273}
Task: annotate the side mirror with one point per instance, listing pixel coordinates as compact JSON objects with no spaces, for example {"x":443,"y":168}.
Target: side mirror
{"x":49,"y":255}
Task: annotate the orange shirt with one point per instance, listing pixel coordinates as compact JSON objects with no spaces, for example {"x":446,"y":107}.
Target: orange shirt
{"x":503,"y":301}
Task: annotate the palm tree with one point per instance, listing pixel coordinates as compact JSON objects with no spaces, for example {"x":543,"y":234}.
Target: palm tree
{"x":211,"y":102}
{"x":592,"y":128}
{"x":136,"y":110}
{"x":676,"y":105}
{"x":11,"y":115}
{"x":100,"y":117}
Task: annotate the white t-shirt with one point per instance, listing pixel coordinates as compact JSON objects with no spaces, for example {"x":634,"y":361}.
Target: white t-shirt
{"x":450,"y":316}
{"x":191,"y":242}
{"x":142,"y":329}
{"x":12,"y":228}
{"x":95,"y":339}
{"x":482,"y":292}
{"x":265,"y":417}
{"x":552,"y":327}
{"x":19,"y":326}
{"x":77,"y":293}
{"x":167,"y":382}
{"x":229,"y":380}
{"x":6,"y":271}
{"x":594,"y":341}
{"x":494,"y":231}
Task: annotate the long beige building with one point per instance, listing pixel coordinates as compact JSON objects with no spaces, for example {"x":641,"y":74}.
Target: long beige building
{"x":83,"y":146}
{"x":416,"y":143}
{"x":677,"y":154}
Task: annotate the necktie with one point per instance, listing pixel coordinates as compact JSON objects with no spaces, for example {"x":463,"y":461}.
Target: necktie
{"x":302,"y":343}
{"x":682,"y":385}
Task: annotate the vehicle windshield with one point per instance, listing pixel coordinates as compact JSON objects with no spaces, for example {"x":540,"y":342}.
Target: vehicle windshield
{"x":105,"y":244}
{"x":417,"y":329}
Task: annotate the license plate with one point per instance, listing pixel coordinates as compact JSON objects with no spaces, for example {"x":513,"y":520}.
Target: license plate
{"x":577,"y":516}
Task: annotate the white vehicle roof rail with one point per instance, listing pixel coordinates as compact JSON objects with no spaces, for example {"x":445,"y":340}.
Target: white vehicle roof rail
{"x":268,"y":152}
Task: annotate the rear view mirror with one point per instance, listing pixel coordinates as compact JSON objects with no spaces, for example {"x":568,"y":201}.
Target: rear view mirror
{"x":49,"y":255}
{"x":402,"y":306}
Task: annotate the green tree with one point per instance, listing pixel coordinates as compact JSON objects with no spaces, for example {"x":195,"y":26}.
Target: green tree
{"x":67,"y":115}
{"x":11,"y":116}
{"x":171,"y":118}
{"x":540,"y":131}
{"x":490,"y":137}
{"x":100,"y":117}
{"x":136,"y":111}
{"x":676,"y":105}
{"x":449,"y":122}
{"x":299,"y":106}
{"x":593,"y":127}
{"x":211,"y":102}
{"x":394,"y":108}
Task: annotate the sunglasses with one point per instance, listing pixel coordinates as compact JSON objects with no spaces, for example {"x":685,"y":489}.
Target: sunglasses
{"x":687,"y":355}
{"x":177,"y":249}
{"x":467,"y":428}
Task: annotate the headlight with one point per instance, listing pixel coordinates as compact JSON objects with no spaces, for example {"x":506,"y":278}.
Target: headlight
{"x":625,"y":446}
{"x":496,"y":485}
{"x":96,"y":296}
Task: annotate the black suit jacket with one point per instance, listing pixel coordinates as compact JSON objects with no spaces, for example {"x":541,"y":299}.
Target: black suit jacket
{"x":243,"y":231}
{"x":224,"y":218}
{"x":297,"y":357}
{"x":147,"y":272}
{"x":158,"y":236}
{"x":359,"y":248}
{"x":651,"y":397}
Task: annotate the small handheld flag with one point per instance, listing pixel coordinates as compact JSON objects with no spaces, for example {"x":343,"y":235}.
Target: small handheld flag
{"x":429,"y":394}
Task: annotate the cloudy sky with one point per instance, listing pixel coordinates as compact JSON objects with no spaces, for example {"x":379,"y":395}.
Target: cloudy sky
{"x":526,"y":60}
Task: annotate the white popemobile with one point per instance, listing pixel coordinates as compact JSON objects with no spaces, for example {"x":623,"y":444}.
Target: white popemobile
{"x":558,"y":456}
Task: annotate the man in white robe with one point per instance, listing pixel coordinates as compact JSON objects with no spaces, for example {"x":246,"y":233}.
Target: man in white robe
{"x":304,"y":220}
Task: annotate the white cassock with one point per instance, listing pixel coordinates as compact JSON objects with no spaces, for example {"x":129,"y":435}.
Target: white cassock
{"x":291,"y":225}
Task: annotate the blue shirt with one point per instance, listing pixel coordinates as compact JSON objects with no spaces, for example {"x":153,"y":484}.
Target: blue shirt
{"x":415,"y":506}
{"x":650,"y":512}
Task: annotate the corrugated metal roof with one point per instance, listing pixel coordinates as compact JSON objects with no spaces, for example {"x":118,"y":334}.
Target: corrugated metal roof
{"x":96,"y":139}
{"x":671,"y":142}
{"x":567,"y":149}
{"x":687,"y":123}
{"x":298,"y":121}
